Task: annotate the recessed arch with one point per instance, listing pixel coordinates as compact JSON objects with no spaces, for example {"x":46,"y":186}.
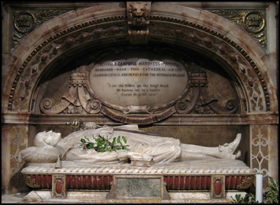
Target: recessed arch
{"x":187,"y":28}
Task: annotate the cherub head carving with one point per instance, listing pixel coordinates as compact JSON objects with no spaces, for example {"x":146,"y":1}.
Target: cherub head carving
{"x":138,"y":13}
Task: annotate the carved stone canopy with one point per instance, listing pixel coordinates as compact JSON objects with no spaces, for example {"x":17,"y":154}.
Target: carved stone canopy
{"x":112,"y":31}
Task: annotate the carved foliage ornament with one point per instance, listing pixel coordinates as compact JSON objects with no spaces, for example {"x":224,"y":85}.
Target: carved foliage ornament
{"x":82,"y":97}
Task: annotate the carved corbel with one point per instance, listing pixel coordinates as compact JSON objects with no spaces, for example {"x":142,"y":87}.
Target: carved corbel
{"x":138,"y":19}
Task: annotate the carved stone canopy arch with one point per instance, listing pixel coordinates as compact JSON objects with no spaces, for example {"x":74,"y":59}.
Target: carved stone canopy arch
{"x":114,"y":31}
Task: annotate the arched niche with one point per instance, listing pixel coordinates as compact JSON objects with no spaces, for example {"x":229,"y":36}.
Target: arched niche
{"x":45,"y":54}
{"x":187,"y":30}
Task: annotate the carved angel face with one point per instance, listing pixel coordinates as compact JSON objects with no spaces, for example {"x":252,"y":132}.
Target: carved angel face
{"x":52,"y":138}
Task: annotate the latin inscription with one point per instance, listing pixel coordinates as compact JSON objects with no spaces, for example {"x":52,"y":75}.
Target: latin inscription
{"x":146,"y":80}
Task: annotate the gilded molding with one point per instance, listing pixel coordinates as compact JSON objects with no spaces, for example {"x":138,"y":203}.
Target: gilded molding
{"x":253,"y":22}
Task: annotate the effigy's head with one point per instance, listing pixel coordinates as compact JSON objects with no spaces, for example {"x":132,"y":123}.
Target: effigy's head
{"x":47,"y":138}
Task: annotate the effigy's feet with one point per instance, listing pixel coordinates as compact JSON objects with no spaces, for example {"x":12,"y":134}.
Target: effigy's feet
{"x":226,"y":151}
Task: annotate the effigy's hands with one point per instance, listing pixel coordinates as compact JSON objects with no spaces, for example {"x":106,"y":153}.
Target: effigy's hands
{"x":122,"y":155}
{"x":138,"y":159}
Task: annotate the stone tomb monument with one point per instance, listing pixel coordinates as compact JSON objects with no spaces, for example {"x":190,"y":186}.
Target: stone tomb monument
{"x":152,"y":164}
{"x":133,"y":88}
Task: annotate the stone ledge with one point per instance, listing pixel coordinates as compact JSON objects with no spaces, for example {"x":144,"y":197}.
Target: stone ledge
{"x":100,"y":197}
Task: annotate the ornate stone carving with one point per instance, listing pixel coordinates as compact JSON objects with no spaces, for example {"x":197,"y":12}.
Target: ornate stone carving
{"x":245,"y":184}
{"x":138,"y":19}
{"x":26,"y":21}
{"x":252,"y":21}
{"x":198,"y":100}
{"x":32,"y":66}
{"x":225,"y":47}
{"x":86,"y":93}
{"x":69,"y":102}
{"x":138,"y":13}
{"x":31,"y":182}
{"x":218,"y":187}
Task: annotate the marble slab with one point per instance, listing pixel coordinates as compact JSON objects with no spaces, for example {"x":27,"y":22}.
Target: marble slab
{"x":100,"y":197}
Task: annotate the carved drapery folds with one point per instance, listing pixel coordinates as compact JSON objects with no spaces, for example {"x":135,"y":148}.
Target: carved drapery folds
{"x":194,"y":98}
{"x":138,"y":19}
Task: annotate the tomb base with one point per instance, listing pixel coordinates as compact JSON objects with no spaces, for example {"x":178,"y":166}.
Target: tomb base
{"x":40,"y":196}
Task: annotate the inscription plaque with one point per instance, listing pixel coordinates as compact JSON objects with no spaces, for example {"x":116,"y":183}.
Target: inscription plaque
{"x":138,"y":187}
{"x":136,"y":78}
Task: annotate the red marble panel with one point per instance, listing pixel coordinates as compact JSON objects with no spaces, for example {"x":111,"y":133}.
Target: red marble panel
{"x":58,"y":186}
{"x":67,"y":182}
{"x":218,"y":187}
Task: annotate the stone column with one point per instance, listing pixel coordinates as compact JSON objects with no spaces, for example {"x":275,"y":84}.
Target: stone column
{"x":14,"y":139}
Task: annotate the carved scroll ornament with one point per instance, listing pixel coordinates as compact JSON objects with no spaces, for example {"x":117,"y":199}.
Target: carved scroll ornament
{"x":200,"y":101}
{"x":69,"y":102}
